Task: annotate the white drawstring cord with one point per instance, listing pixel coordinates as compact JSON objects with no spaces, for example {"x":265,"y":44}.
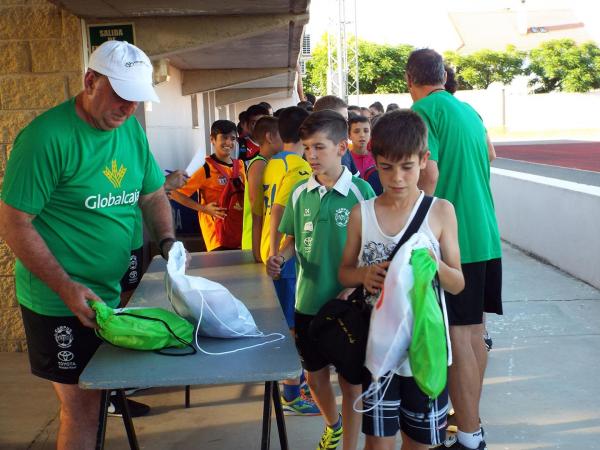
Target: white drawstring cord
{"x":374,"y":387}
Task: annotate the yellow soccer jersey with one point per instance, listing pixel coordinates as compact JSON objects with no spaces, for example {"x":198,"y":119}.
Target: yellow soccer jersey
{"x":282,"y":173}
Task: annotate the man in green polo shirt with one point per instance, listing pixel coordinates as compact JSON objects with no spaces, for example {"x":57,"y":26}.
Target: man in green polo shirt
{"x":458,"y":170}
{"x":75,"y":179}
{"x":315,"y":221}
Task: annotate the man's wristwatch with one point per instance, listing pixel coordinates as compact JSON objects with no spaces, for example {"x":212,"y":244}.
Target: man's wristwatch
{"x":161,"y":245}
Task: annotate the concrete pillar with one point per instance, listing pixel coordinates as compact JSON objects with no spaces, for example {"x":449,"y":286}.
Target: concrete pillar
{"x":42,"y":66}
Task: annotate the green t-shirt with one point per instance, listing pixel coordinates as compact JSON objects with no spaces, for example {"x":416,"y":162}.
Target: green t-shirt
{"x":82,"y":185}
{"x":317,"y":218}
{"x":457,"y":141}
{"x":247,"y":227}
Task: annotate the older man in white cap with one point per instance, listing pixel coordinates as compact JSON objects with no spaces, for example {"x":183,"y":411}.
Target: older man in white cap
{"x":75,"y":179}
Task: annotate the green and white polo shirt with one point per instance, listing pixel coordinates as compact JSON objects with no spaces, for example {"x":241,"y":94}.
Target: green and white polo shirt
{"x":317,"y":218}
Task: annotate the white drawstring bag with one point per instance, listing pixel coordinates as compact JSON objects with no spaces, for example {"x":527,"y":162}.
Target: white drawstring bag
{"x":215,"y":310}
{"x":390,"y":329}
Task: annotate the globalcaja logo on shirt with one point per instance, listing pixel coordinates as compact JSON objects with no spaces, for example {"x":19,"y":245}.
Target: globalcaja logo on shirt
{"x":115,"y":176}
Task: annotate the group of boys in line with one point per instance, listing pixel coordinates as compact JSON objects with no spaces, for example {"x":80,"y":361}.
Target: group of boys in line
{"x":323,"y":214}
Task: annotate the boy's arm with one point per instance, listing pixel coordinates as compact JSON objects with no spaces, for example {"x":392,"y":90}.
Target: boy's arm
{"x":285,"y":253}
{"x":449,"y":271}
{"x":255,"y":196}
{"x":280,"y":254}
{"x":257,"y":224}
{"x":371,"y":277}
{"x":274,"y":233}
{"x":212,"y":209}
{"x":254,"y":183}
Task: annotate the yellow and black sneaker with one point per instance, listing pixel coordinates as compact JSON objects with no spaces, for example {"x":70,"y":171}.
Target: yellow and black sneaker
{"x":331,"y":437}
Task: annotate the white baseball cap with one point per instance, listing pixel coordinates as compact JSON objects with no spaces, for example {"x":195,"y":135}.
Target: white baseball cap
{"x":128,"y":69}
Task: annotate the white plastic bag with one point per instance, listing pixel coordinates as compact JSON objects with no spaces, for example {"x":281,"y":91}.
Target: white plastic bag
{"x":215,"y":310}
{"x":390,"y":329}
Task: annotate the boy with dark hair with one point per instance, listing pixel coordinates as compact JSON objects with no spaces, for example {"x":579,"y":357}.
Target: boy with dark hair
{"x":248,"y":147}
{"x":359,"y":130}
{"x":209,"y":182}
{"x":283,"y":171}
{"x":306,"y":105}
{"x":242,"y":126}
{"x":376,"y":109}
{"x":315,"y":222}
{"x":267,"y":106}
{"x":333,"y":103}
{"x":400,"y":150}
{"x":451,"y":85}
{"x":459,"y":171}
{"x":266,"y":132}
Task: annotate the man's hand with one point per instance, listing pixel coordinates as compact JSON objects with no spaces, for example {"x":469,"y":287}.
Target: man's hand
{"x":175,"y":180}
{"x":214,"y":210}
{"x":374,"y":277}
{"x":76,"y":296}
{"x":274,"y":264}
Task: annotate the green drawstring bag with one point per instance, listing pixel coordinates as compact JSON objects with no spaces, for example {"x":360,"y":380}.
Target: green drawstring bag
{"x":143,"y":328}
{"x":427,"y":353}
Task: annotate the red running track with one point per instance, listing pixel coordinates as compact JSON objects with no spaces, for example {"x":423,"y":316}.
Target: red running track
{"x":573,"y":155}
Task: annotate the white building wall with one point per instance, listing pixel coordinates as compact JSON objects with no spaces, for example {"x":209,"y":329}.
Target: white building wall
{"x":173,"y":139}
{"x":517,"y":111}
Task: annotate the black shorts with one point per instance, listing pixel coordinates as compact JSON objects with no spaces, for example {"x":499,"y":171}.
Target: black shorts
{"x":133,"y":275}
{"x":483,"y":292}
{"x":59,"y":347}
{"x":312,"y":359}
{"x":403,"y":406}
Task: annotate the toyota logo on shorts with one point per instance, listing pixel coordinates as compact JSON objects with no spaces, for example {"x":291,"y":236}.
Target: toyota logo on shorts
{"x":65,"y":356}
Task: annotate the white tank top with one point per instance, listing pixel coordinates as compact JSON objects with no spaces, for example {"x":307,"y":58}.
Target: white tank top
{"x":376,"y":246}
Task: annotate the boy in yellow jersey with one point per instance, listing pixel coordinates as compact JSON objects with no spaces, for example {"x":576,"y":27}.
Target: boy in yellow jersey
{"x":266,"y":133}
{"x":283,"y":171}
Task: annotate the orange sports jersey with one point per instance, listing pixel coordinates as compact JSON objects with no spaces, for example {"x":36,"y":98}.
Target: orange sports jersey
{"x":209,"y":184}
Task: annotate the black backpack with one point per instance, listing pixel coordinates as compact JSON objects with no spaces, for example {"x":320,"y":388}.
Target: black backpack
{"x":341,"y":327}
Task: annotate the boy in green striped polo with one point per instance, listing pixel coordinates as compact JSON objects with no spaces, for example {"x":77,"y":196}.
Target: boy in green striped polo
{"x":315,"y":221}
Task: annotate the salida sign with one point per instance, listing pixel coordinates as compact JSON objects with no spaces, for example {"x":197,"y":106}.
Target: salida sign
{"x":99,"y":34}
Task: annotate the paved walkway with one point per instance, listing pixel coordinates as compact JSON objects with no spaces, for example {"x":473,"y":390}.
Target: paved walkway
{"x":541,"y":389}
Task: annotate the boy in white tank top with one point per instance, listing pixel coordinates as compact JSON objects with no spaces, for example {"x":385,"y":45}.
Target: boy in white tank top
{"x":399,"y":146}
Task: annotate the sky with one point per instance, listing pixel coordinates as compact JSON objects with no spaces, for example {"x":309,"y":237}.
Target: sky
{"x":424,"y":23}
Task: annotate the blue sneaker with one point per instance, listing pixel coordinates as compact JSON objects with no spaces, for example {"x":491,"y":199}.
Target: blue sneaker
{"x":300,"y":406}
{"x":305,"y":390}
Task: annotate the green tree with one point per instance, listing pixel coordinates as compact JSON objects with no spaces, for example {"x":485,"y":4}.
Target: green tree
{"x":314,"y":80}
{"x":480,"y":69}
{"x":381,"y":68}
{"x":562,"y":65}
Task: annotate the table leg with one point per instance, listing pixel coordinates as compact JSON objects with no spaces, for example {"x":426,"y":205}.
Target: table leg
{"x":131,"y":437}
{"x":187,"y":396}
{"x":266,"y":425}
{"x":102,"y":419}
{"x":283,"y":442}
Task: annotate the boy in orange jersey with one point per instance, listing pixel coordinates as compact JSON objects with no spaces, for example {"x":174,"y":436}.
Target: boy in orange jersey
{"x":210,"y":183}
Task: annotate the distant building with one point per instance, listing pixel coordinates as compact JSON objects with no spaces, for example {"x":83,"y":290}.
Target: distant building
{"x":523,"y":29}
{"x":305,"y":52}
